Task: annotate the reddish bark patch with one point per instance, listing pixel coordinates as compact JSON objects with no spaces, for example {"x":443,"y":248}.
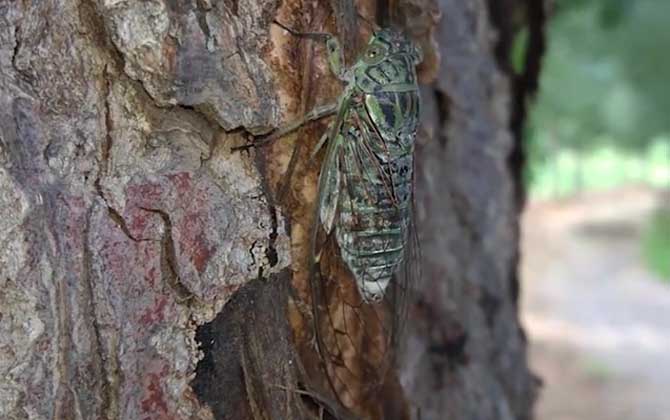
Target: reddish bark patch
{"x":201,"y":255}
{"x":145,"y":195}
{"x":193,"y":245}
{"x":154,"y":314}
{"x":155,"y":401}
{"x":185,"y":200}
{"x":151,"y":276}
{"x":182,"y":181}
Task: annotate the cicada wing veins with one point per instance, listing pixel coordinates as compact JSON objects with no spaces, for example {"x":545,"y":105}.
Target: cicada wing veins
{"x":357,"y":339}
{"x":353,"y":336}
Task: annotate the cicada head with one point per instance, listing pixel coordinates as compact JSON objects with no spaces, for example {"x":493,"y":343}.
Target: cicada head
{"x":389,"y":42}
{"x":388,"y":63}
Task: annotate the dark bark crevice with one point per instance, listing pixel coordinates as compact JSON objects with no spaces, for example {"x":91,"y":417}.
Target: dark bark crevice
{"x":525,"y":87}
{"x":250,"y":369}
{"x":169,"y":263}
{"x":109,"y":124}
{"x":448,"y":339}
{"x":17,"y":45}
{"x":443,"y":110}
{"x":94,"y":21}
{"x":273,"y":211}
{"x":510,"y":17}
{"x":490,"y":305}
{"x":121,"y":223}
{"x":101,"y":370}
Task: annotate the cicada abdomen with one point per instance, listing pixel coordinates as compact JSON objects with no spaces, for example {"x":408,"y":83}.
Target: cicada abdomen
{"x":377,"y":168}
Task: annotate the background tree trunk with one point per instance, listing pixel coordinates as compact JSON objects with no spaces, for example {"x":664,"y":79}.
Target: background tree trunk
{"x":146,"y":272}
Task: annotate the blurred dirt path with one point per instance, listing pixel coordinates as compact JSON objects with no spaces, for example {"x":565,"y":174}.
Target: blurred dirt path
{"x":598,"y":322}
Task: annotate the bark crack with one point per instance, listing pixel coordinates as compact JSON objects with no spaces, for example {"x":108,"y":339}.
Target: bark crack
{"x":108,"y":388}
{"x":109,"y":123}
{"x":271,"y":251}
{"x":65,"y":395}
{"x":105,"y":158}
{"x":121,"y":223}
{"x":169,"y":258}
{"x":94,"y":19}
{"x":443,"y":104}
{"x":201,"y":15}
{"x":253,"y":258}
{"x":17,"y":46}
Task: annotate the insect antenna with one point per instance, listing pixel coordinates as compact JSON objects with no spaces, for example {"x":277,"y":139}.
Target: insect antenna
{"x":314,"y":35}
{"x":373,"y":25}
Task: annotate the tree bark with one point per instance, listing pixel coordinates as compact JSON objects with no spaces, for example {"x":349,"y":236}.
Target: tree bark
{"x":146,"y":272}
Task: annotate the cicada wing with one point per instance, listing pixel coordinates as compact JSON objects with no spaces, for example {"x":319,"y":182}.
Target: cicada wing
{"x":329,"y":190}
{"x":396,"y":297}
{"x":321,"y":273}
{"x":357,"y":338}
{"x":405,"y":283}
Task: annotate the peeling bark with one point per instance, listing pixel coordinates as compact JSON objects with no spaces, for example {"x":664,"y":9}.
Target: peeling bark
{"x":148,"y":272}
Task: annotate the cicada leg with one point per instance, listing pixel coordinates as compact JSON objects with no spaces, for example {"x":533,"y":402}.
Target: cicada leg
{"x":294,"y":159}
{"x":335,"y":54}
{"x":317,"y":113}
{"x":321,"y":142}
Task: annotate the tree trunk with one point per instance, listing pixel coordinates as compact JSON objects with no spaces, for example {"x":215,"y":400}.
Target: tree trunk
{"x":146,"y":272}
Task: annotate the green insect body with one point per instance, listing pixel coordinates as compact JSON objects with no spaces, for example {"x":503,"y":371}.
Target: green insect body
{"x":365,"y":206}
{"x":366,"y":183}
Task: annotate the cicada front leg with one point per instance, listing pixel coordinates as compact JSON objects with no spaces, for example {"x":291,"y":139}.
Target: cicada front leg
{"x":317,"y":113}
{"x":335,"y":54}
{"x":336,"y":64}
{"x":336,"y":58}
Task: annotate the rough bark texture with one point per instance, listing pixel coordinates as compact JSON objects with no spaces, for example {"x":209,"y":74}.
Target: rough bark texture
{"x":466,"y":357}
{"x":148,"y":273}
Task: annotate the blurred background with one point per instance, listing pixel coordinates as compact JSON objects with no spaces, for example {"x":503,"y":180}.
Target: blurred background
{"x":596,"y":241}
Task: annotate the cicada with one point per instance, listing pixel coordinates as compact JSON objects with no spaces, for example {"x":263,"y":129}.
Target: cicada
{"x":364,"y":210}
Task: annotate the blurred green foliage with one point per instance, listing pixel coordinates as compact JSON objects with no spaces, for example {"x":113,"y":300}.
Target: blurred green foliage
{"x":602,"y":115}
{"x":656,"y":243}
{"x":605,"y":78}
{"x":568,"y":171}
{"x":606,"y":72}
